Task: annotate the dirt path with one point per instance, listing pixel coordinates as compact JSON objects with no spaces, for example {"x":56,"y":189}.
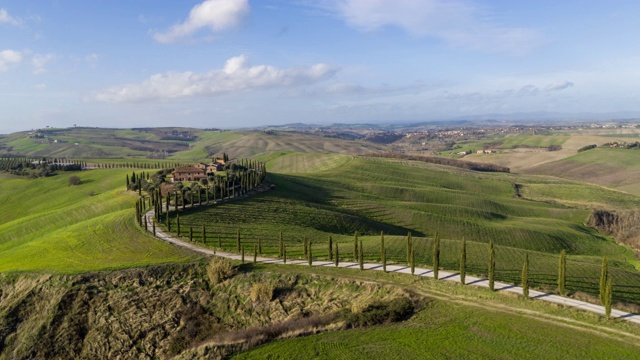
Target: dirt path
{"x":443,"y":275}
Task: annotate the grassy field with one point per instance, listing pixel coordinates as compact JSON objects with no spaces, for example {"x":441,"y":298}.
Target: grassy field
{"x":449,"y":331}
{"x":463,"y":322}
{"x":48,"y":226}
{"x":397,"y":197}
{"x":615,"y":168}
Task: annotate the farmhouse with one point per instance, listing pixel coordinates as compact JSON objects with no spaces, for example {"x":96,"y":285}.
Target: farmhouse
{"x":197,"y":171}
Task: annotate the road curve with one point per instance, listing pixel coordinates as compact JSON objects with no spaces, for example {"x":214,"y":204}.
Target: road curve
{"x":442,"y":275}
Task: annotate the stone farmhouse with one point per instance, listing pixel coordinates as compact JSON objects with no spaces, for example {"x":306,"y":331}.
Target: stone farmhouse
{"x":197,"y":171}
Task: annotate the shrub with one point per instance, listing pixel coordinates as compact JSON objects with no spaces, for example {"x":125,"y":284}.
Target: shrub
{"x":74,"y":180}
{"x":262,"y":291}
{"x":380,"y":313}
{"x":219,"y":269}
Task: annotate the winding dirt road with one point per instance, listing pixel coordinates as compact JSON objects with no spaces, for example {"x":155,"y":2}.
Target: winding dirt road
{"x":442,"y":275}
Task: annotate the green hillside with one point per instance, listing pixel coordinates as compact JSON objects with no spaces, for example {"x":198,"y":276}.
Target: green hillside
{"x":614,"y":168}
{"x":369,"y":195}
{"x":48,"y":226}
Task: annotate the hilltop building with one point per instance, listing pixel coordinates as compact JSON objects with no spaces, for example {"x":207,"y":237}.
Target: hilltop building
{"x":197,"y":171}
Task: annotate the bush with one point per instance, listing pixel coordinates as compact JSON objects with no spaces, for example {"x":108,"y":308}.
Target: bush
{"x":74,"y":180}
{"x":219,"y":269}
{"x":262,"y":291}
{"x":588,"y":147}
{"x":554,"y":147}
{"x":381,"y":313}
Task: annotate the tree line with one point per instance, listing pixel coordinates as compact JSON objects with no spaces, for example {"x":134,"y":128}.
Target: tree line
{"x":35,"y":168}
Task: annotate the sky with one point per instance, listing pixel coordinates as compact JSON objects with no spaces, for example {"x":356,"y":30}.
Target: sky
{"x":243,"y":63}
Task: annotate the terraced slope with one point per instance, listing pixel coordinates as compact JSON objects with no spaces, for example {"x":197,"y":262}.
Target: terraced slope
{"x":371,"y":195}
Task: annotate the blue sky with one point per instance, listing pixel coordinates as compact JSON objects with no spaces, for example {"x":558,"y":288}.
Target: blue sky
{"x":237,"y":63}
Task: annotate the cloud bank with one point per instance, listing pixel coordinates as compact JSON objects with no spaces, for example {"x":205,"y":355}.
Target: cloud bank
{"x":8,"y":57}
{"x":217,"y":15}
{"x":5,"y":18}
{"x":236,"y":76}
{"x":457,"y":23}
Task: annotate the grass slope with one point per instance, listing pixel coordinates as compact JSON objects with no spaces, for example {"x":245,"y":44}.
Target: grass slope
{"x":49,"y":226}
{"x":615,"y":168}
{"x":394,"y":196}
{"x":451,"y":331}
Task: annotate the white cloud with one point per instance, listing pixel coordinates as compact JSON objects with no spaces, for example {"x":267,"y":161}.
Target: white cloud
{"x":217,"y":15}
{"x":236,"y":76}
{"x":561,"y":85}
{"x":5,"y":18}
{"x":40,"y":86}
{"x":456,"y":22}
{"x":39,"y":61}
{"x":8,"y":57}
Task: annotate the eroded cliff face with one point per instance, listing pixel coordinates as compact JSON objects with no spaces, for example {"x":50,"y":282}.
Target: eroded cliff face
{"x":160,"y":311}
{"x":623,"y":225}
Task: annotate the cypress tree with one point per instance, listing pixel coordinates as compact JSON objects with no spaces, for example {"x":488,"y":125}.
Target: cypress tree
{"x":463,"y":261}
{"x":608,"y":299}
{"x":242,"y":253}
{"x":127,"y":181}
{"x":178,"y":222}
{"x":310,"y":253}
{"x":146,"y":226}
{"x":525,"y":276}
{"x":355,"y":245}
{"x":281,"y":247}
{"x":409,"y":248}
{"x":204,"y":234}
{"x":330,"y":248}
{"x":383,"y":252}
{"x":492,"y":265}
{"x":168,"y":222}
{"x":190,"y":233}
{"x":238,"y":240}
{"x":604,"y":275}
{"x":562,"y":278}
{"x":413,"y":261}
{"x":154,"y":227}
{"x":436,"y":256}
{"x":284,"y":253}
{"x":361,"y":256}
{"x":255,"y":254}
{"x":337,"y":258}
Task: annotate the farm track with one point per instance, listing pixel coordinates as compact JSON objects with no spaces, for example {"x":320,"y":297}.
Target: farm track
{"x":419,"y":271}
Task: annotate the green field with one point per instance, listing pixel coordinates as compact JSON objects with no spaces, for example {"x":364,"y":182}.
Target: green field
{"x":48,"y":226}
{"x":369,"y":195}
{"x":451,"y":331}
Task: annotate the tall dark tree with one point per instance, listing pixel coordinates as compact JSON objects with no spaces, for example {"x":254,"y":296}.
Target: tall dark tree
{"x":310,"y":253}
{"x":255,"y":254}
{"x":238,"y":240}
{"x":242,"y":253}
{"x":525,"y":276}
{"x":153,"y":224}
{"x":178,"y":223}
{"x":128,"y":182}
{"x":330,"y":248}
{"x":562,"y":277}
{"x":190,"y":233}
{"x":608,"y":297}
{"x":337,"y":257}
{"x":413,"y":261}
{"x":492,"y":265}
{"x":383,"y":252}
{"x":436,"y":255}
{"x":281,"y":243}
{"x":284,"y":253}
{"x":305,"y":246}
{"x":604,"y":276}
{"x":409,"y":244}
{"x":146,"y":226}
{"x":463,"y":261}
